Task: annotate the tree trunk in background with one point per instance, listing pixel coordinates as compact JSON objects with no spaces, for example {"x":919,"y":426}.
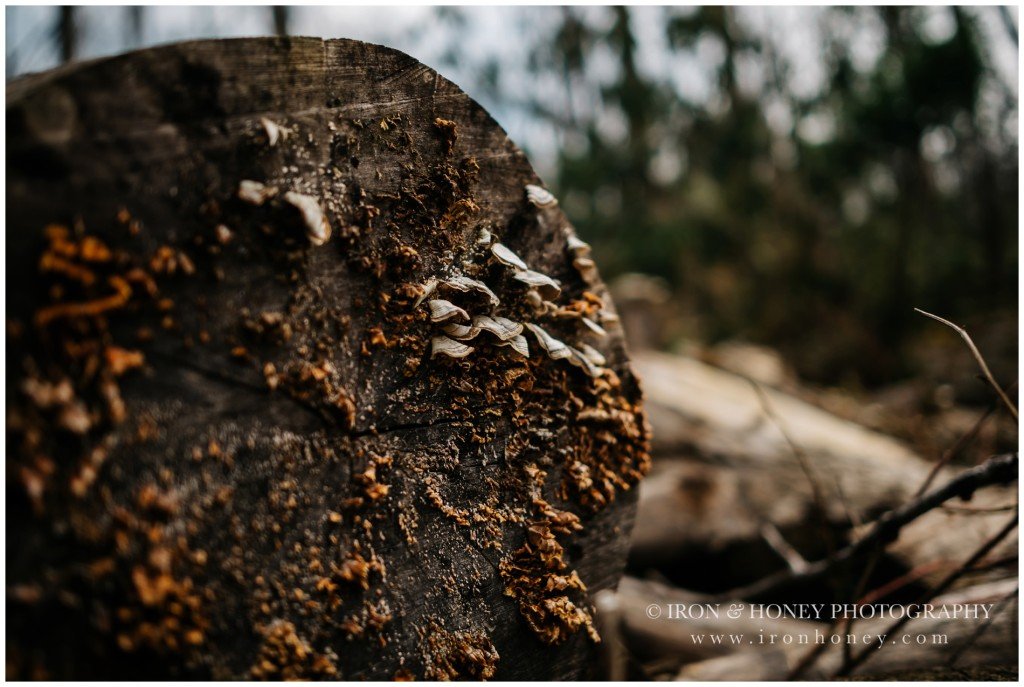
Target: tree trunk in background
{"x":67,"y":33}
{"x":280,"y":13}
{"x":135,"y":25}
{"x":230,"y":452}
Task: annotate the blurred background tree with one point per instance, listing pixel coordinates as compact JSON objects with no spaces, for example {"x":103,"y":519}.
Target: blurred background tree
{"x":797,"y":177}
{"x":893,"y":186}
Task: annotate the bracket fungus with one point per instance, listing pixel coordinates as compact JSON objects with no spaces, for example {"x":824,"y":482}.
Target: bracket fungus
{"x":501,"y":327}
{"x":547,"y":287}
{"x":518,"y":344}
{"x":462,"y":283}
{"x":255,"y":193}
{"x":584,"y":265}
{"x":594,"y":326}
{"x":556,"y":350}
{"x":579,"y":359}
{"x":578,"y":246}
{"x":426,"y":290}
{"x":593,"y":355}
{"x":442,"y":345}
{"x":318,"y":229}
{"x":542,"y":290}
{"x":442,"y":310}
{"x":506,"y":257}
{"x":540,"y":197}
{"x":274,"y":131}
{"x":462,"y":332}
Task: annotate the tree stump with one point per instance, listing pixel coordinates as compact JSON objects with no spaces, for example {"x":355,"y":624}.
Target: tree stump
{"x":237,"y":447}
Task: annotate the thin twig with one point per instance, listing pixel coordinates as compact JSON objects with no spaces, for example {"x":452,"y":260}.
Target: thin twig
{"x":1000,"y":469}
{"x":979,"y":510}
{"x":849,"y":666}
{"x":1003,"y":603}
{"x":909,"y":577}
{"x":1002,"y":562}
{"x":817,"y":494}
{"x":950,"y":453}
{"x":779,"y":545}
{"x":862,"y":583}
{"x":853,"y":517}
{"x":978,"y":357}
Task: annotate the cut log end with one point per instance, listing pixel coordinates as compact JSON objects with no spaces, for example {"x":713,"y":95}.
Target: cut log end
{"x":232,"y":454}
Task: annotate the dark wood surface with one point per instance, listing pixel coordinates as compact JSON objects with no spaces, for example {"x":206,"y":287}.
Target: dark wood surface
{"x":230,"y":453}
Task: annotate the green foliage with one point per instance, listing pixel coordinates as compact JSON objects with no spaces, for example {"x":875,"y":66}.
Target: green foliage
{"x":891,"y":189}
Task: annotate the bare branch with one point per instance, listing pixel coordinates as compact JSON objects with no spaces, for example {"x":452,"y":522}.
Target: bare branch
{"x":972,"y":510}
{"x":801,"y":458}
{"x":1003,"y":603}
{"x":950,"y":453}
{"x":1000,"y":469}
{"x":782,"y":547}
{"x":849,"y":666}
{"x":978,"y":357}
{"x":909,"y":577}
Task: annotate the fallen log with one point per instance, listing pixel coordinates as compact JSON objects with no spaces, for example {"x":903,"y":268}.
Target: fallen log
{"x":924,"y":644}
{"x":998,"y":470}
{"x":770,"y":648}
{"x":272,"y":408}
{"x":688,"y":640}
{"x":730,"y":459}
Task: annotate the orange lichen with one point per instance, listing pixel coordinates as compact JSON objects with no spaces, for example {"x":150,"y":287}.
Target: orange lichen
{"x":120,"y":360}
{"x":460,"y":211}
{"x":122,"y":294}
{"x":538,"y":578}
{"x":169,"y":260}
{"x":51,"y":262}
{"x":323,"y":379}
{"x":357,"y":569}
{"x":369,"y":475}
{"x":284,"y":655}
{"x":449,"y":131}
{"x":459,"y":655}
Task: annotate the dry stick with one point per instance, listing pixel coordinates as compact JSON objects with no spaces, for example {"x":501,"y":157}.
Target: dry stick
{"x":810,"y":657}
{"x":950,"y":453}
{"x":978,"y":357}
{"x":849,"y":666}
{"x":876,"y":553}
{"x":1000,"y":469}
{"x":770,"y":533}
{"x":851,"y":515}
{"x":816,"y":491}
{"x":903,"y":580}
{"x":979,"y":510}
{"x":983,"y":627}
{"x":917,"y":572}
{"x":1001,"y":562}
{"x":869,"y":570}
{"x":965,"y":439}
